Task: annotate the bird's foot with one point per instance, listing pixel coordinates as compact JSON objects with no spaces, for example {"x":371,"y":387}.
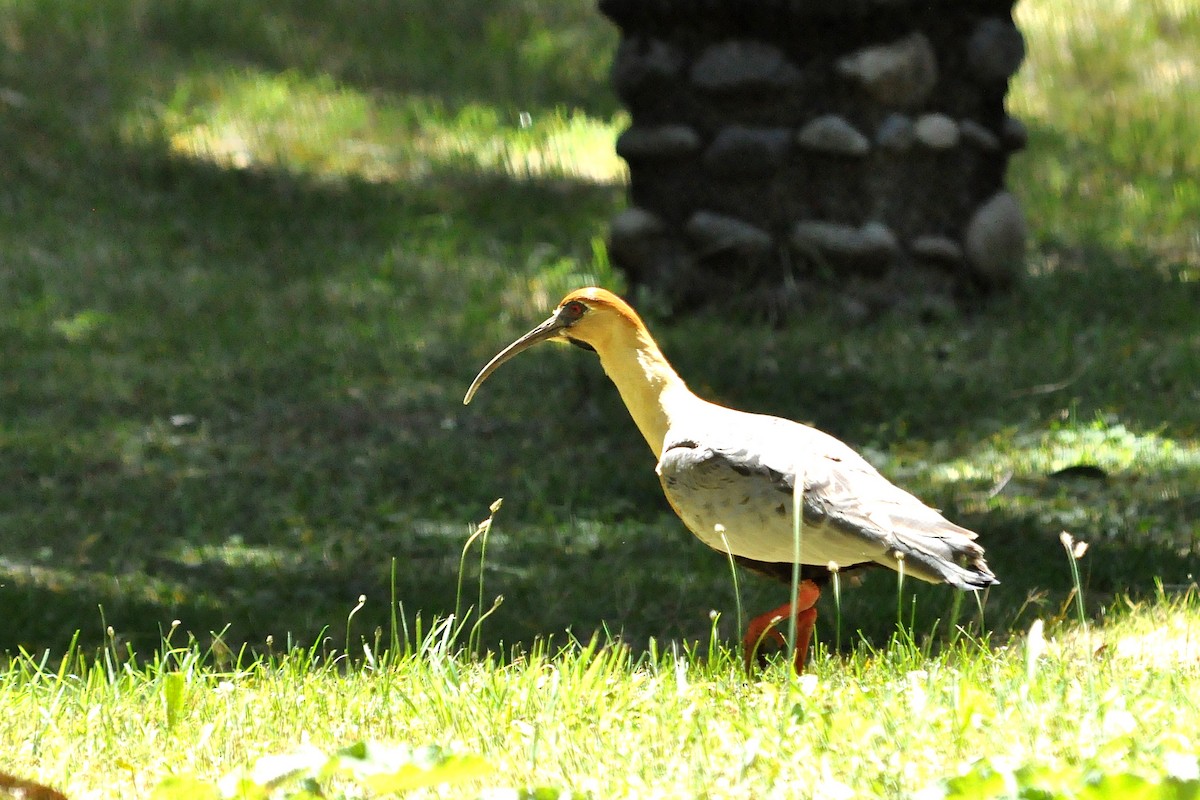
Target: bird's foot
{"x":763,"y":636}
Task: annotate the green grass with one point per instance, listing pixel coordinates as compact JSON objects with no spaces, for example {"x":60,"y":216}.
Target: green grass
{"x":606,"y":722}
{"x":251,"y":258}
{"x":1108,"y":90}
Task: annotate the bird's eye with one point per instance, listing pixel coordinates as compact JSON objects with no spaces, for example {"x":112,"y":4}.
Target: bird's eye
{"x":573,"y":310}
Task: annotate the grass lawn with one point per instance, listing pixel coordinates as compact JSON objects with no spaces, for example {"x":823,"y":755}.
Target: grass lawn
{"x":252,"y":254}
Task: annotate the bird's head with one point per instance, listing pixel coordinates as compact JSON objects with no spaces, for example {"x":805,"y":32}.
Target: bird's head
{"x":587,"y":318}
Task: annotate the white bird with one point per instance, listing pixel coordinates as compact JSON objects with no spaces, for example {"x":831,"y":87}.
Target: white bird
{"x":731,"y":475}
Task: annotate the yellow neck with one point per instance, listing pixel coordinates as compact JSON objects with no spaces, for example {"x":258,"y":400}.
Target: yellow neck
{"x":651,"y":389}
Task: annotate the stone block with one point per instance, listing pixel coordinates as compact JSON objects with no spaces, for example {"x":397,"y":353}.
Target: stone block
{"x":937,"y":248}
{"x":995,"y":50}
{"x":657,"y":141}
{"x":742,"y":65}
{"x":715,"y":233}
{"x":832,"y":134}
{"x":900,"y":74}
{"x":895,"y":133}
{"x":936,"y":131}
{"x":641,"y":61}
{"x":995,"y":240}
{"x":978,"y":135}
{"x":872,"y":246}
{"x":739,"y":152}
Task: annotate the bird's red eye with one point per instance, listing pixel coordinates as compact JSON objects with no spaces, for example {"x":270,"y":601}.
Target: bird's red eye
{"x":573,"y":310}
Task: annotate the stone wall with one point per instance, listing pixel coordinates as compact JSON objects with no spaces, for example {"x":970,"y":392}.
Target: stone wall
{"x":790,"y":142}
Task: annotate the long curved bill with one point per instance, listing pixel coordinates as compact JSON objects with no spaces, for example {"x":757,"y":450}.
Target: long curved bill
{"x":547,"y":330}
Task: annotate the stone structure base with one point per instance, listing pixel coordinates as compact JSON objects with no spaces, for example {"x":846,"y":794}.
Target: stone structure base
{"x":779,"y":142}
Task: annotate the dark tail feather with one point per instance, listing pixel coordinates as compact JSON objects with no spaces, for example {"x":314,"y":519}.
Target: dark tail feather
{"x":958,"y":562}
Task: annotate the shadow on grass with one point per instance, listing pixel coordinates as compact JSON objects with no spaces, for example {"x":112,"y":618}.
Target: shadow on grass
{"x":637,"y":582}
{"x":268,"y":412}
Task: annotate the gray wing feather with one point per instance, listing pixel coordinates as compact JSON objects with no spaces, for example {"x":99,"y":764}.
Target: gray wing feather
{"x":845,"y":499}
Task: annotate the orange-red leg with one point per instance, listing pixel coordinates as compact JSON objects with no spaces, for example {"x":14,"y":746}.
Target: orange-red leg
{"x":765,"y":627}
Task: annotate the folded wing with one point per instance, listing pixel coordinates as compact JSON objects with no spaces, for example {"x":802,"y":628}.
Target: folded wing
{"x":739,"y":499}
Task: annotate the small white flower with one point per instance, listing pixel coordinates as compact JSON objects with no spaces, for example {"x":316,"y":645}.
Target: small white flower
{"x":1181,"y":766}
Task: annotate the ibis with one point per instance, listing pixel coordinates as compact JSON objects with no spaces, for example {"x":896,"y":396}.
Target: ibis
{"x":732,"y":477}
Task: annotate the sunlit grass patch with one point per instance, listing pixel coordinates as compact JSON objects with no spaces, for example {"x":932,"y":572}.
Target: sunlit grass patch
{"x":1103,"y":443}
{"x":234,"y":552}
{"x":1097,"y":477}
{"x":1153,"y":637}
{"x":1108,"y":90}
{"x":597,"y":719}
{"x":46,"y":572}
{"x":252,"y":118}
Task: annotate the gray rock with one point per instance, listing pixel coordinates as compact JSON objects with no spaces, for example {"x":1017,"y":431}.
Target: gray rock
{"x":635,"y":221}
{"x":895,"y":133}
{"x":634,"y":236}
{"x":832,"y":134}
{"x":936,"y":131}
{"x":937,"y":248}
{"x":640,"y":60}
{"x":901,"y":73}
{"x":657,"y":141}
{"x":740,"y":65}
{"x":747,"y":152}
{"x":1014,"y":133}
{"x":713,"y":233}
{"x":995,"y":239}
{"x":995,"y":49}
{"x":978,"y":135}
{"x":872,"y":245}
